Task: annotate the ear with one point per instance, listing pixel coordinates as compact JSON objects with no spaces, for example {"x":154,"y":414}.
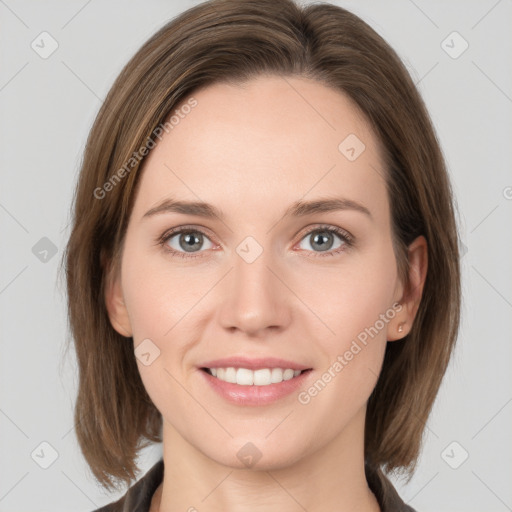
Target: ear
{"x":401,"y":324}
{"x":114,"y":301}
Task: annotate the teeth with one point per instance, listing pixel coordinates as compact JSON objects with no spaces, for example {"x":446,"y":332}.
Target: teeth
{"x":262,"y":377}
{"x":230,"y":375}
{"x":246,"y":377}
{"x":277,"y":375}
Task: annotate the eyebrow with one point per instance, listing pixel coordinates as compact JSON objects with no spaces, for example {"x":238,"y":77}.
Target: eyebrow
{"x":297,"y":209}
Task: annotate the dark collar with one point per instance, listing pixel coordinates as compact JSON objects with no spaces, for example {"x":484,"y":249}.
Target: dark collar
{"x":387,"y":497}
{"x":138,"y":497}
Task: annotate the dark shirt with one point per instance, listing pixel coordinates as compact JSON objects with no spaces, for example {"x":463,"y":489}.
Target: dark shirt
{"x":139,"y":495}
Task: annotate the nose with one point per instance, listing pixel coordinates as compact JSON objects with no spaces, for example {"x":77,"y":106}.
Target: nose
{"x":254,"y":298}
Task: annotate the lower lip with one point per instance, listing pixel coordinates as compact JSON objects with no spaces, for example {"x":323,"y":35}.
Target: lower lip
{"x":255,"y":395}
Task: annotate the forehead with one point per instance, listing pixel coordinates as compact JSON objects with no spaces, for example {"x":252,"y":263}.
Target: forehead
{"x":270,"y":141}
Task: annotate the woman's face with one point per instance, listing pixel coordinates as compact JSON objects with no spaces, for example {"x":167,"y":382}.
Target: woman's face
{"x":268,"y":283}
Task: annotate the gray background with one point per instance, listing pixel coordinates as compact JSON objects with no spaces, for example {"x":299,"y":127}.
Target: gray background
{"x":47,"y":107}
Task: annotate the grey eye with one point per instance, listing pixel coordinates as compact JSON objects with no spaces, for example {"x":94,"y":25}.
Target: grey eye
{"x":188,"y":241}
{"x":322,"y":240}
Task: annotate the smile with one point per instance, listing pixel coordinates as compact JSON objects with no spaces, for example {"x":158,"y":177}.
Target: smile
{"x":248,"y":377}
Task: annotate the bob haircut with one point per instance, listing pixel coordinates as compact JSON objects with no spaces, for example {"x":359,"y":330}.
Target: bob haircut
{"x":232,"y":41}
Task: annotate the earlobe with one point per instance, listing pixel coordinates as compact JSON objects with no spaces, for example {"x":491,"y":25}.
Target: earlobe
{"x":398,"y":328}
{"x":413,"y":290}
{"x":116,"y":308}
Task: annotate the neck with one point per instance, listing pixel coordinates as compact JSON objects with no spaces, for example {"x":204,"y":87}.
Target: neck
{"x":330,"y":478}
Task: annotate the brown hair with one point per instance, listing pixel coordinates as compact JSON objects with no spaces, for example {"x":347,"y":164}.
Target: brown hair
{"x":232,"y":41}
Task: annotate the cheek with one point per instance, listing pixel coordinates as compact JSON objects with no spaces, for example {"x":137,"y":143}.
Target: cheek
{"x":162,"y":299}
{"x":356,"y":305}
{"x":159,"y":293}
{"x":351,"y":298}
{"x":158,"y":302}
{"x":355,"y":301}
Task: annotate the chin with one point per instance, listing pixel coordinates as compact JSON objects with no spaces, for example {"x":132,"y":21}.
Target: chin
{"x":257,"y":453}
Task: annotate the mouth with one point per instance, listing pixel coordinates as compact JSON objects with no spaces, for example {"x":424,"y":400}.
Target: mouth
{"x":253,"y":377}
{"x":254,"y":380}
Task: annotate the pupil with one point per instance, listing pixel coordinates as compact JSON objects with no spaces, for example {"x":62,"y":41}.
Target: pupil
{"x":322,"y":239}
{"x":191,"y":242}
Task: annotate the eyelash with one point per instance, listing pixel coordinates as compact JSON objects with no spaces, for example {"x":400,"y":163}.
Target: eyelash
{"x":348,"y":240}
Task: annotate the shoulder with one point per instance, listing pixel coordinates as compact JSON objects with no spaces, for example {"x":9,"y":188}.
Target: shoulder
{"x":138,"y":497}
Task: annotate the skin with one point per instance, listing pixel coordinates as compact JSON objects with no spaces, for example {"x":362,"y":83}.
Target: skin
{"x":293,"y":301}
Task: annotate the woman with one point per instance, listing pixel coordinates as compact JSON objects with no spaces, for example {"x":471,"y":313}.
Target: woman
{"x":263,"y":270}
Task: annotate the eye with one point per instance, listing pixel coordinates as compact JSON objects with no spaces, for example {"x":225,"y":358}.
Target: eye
{"x":187,"y":242}
{"x":323,"y":240}
{"x":184,"y":242}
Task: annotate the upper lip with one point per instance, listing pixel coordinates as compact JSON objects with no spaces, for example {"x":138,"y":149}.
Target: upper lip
{"x":253,"y":363}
